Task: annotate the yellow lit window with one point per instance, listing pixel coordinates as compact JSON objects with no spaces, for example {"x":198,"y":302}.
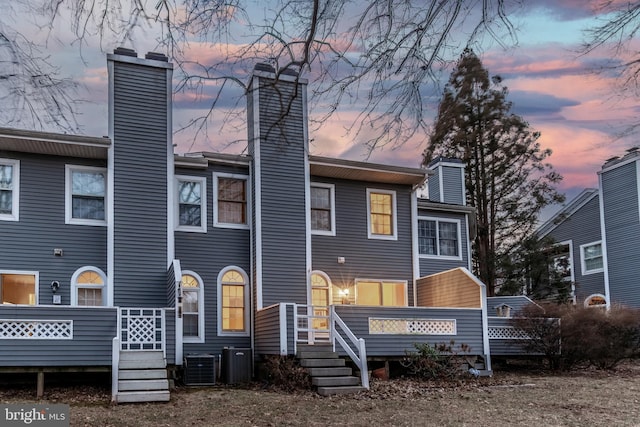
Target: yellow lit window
{"x":379,"y":293}
{"x":233,"y":302}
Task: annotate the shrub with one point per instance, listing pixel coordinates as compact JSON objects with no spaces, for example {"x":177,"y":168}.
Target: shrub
{"x":285,"y":372}
{"x":583,"y":336}
{"x":440,"y":361}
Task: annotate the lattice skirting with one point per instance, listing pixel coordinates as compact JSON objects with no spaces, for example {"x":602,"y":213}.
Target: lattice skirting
{"x":412,"y":326}
{"x":507,"y":333}
{"x":142,"y":328}
{"x":36,"y":329}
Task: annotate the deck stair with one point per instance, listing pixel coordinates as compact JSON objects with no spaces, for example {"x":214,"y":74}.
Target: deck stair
{"x":142,"y":377}
{"x":477,"y":363}
{"x":329,"y":373}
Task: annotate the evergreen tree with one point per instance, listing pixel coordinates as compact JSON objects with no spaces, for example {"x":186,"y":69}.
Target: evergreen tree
{"x":507,"y":179}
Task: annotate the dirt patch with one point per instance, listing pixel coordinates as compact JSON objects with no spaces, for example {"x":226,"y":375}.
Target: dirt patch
{"x":514,"y":398}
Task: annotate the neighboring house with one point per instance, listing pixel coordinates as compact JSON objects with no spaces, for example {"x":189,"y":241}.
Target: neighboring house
{"x":599,"y":229}
{"x":119,"y":256}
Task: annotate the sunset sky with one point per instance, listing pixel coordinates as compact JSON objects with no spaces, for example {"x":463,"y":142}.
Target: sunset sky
{"x":554,"y":89}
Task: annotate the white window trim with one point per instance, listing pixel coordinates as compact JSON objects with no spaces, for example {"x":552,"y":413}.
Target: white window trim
{"x":394,"y":214}
{"x":583,"y":261}
{"x":36,"y":274}
{"x":201,"y":321}
{"x":572,"y":278}
{"x":15,"y":191}
{"x":68,"y":196}
{"x":438,"y":221}
{"x":216,"y":223}
{"x":202,"y":228}
{"x":75,"y":286}
{"x":360,"y":279}
{"x":247,"y":307}
{"x":332,"y":201}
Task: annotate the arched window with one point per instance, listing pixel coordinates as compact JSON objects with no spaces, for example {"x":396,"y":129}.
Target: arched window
{"x":595,"y":300}
{"x":320,"y":299}
{"x":192,"y":307}
{"x":88,"y":287}
{"x":233,"y":302}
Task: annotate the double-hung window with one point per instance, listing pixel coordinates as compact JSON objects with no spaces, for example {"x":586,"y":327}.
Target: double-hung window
{"x":9,"y":189}
{"x":323,"y":220}
{"x":437,"y":237}
{"x":381,"y":218}
{"x":86,"y":195}
{"x":192,"y":307}
{"x":233,"y":302}
{"x":230,"y":201}
{"x":591,"y":257}
{"x":191,"y":203}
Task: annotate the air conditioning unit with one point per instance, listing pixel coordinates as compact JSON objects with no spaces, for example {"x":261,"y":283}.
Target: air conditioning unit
{"x":200,"y":369}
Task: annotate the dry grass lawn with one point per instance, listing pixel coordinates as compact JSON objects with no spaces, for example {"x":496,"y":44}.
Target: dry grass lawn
{"x":589,"y":398}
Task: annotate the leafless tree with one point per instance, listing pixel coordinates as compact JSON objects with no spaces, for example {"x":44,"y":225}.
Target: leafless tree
{"x":383,"y":54}
{"x":31,"y":93}
{"x":616,"y":33}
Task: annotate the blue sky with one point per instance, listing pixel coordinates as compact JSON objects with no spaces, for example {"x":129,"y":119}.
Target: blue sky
{"x":550,"y":86}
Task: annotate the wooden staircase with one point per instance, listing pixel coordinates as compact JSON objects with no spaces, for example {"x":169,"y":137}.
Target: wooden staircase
{"x":142,"y":377}
{"x":328,"y":372}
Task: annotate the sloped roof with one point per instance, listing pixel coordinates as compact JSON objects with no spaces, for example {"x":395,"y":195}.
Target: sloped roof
{"x":569,"y":209}
{"x":55,"y":144}
{"x":365,"y":171}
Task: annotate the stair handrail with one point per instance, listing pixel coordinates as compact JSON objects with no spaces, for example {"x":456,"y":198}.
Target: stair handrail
{"x":359,"y":359}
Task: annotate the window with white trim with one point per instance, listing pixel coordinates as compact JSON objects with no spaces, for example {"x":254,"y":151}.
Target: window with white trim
{"x":591,"y":258}
{"x":191,"y":203}
{"x":9,"y":189}
{"x":192,"y":307}
{"x":439,"y":238}
{"x":381,"y":217}
{"x":88,"y":287}
{"x":560,"y":261}
{"x":595,"y":300}
{"x":233,"y":302}
{"x":323,"y":218}
{"x":230,"y":195}
{"x":86,"y":195}
{"x":381,"y":293}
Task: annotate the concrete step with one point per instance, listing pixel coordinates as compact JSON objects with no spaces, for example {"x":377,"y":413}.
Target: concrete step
{"x":335,"y":381}
{"x":141,"y":355}
{"x":143,"y":396}
{"x":314,"y":347}
{"x":322,"y":363}
{"x":329,"y":372}
{"x":142,"y":364}
{"x":142,"y":374}
{"x":329,"y":391}
{"x":140,"y":385}
{"x":317,"y":355}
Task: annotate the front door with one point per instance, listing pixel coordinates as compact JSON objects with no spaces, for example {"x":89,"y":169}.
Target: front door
{"x":320,"y":300}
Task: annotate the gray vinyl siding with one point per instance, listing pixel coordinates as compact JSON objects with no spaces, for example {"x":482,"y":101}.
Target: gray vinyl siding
{"x":267,"y":330}
{"x":140,"y":185}
{"x":207,"y":254}
{"x":93,"y":333}
{"x":171,"y":287}
{"x":505,"y":347}
{"x":433,"y":184}
{"x":452,"y":185}
{"x":282,"y":159}
{"x":364,"y":258}
{"x":28,"y":244}
{"x":434,"y":265}
{"x":468,"y":324}
{"x":582,"y":227}
{"x":170,"y":335}
{"x":620,"y":193}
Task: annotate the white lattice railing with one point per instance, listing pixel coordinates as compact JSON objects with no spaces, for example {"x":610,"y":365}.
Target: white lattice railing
{"x":36,"y":329}
{"x":507,"y":333}
{"x":412,"y":326}
{"x":142,"y":328}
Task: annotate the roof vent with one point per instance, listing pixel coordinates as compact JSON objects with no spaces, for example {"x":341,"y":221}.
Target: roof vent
{"x":157,"y":56}
{"x":125,"y":52}
{"x":611,"y":159}
{"x":633,"y":150}
{"x":289,"y":71}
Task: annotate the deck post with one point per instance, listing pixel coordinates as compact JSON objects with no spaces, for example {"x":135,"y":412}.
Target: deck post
{"x":40,"y":384}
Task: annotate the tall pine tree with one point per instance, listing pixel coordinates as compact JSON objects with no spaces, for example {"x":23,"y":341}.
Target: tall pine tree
{"x":507,"y":178}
